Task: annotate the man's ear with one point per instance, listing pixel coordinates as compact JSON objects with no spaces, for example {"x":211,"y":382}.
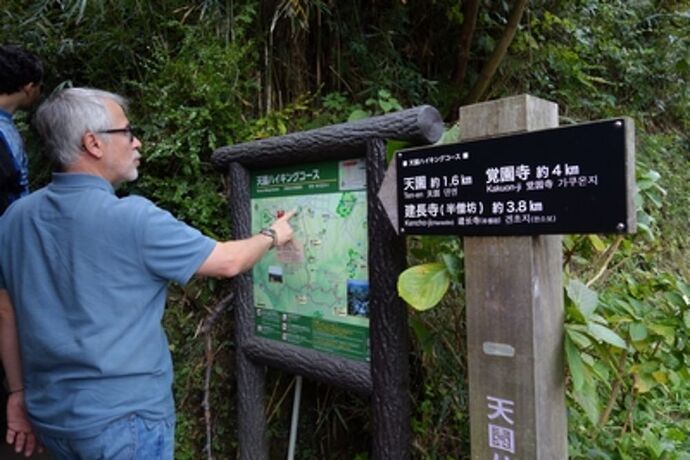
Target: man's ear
{"x":29,"y":88}
{"x":92,"y":145}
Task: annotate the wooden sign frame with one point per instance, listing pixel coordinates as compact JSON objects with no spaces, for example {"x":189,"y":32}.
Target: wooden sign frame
{"x":386,"y":378}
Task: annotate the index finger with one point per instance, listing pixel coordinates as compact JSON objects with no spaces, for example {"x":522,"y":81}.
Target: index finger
{"x":288,"y":215}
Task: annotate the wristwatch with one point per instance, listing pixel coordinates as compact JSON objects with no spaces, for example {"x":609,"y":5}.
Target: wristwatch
{"x":269,"y":232}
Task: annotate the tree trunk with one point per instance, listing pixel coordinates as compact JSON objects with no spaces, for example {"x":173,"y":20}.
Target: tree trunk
{"x":470,"y":10}
{"x":490,"y":67}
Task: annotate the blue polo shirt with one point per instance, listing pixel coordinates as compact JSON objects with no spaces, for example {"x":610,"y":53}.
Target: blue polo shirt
{"x":88,"y":274}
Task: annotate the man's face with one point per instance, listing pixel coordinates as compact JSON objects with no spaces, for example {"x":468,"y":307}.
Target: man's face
{"x":121,"y":149}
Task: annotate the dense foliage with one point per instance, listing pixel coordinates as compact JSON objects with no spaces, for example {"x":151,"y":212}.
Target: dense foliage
{"x":205,"y":74}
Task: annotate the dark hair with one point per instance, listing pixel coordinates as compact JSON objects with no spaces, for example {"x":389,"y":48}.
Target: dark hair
{"x":18,"y":67}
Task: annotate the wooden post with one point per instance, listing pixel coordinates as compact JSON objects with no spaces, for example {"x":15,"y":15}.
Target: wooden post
{"x":251,"y":376}
{"x":390,"y":371}
{"x":514,"y":317}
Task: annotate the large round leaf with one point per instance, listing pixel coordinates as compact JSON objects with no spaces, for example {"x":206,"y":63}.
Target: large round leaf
{"x":423,"y":286}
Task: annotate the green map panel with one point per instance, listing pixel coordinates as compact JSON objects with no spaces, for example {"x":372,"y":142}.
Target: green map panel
{"x":315,"y":291}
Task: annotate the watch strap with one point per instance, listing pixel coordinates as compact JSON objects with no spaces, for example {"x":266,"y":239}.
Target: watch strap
{"x":271,"y":233}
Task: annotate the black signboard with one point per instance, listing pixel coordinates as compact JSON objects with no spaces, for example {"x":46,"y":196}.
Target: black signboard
{"x":575,"y":179}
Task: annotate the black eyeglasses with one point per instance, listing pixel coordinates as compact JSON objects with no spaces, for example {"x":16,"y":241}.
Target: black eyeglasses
{"x":129,"y":130}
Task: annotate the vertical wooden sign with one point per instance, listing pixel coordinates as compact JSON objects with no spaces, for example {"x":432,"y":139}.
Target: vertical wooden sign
{"x":514,"y":317}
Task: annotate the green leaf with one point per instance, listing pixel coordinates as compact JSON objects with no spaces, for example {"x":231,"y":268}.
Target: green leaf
{"x":423,"y":286}
{"x":605,"y":334}
{"x":583,"y":297}
{"x":652,"y":443}
{"x":450,"y":136}
{"x":676,"y":299}
{"x":575,"y":364}
{"x":648,"y":179}
{"x":661,"y":377}
{"x":452,"y":264}
{"x":596,"y":318}
{"x":601,"y":372}
{"x":393,"y":145}
{"x":424,"y":336}
{"x":644,"y":383}
{"x":358,"y":114}
{"x":638,"y":332}
{"x":667,"y":332}
{"x":597,"y":243}
{"x":686,"y":318}
{"x":589,"y":401}
{"x":676,"y":434}
{"x":685,"y":289}
{"x":645,"y":229}
{"x":578,"y":337}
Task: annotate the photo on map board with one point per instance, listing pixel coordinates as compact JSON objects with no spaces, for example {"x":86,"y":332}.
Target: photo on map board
{"x":358,"y":298}
{"x":275,"y":274}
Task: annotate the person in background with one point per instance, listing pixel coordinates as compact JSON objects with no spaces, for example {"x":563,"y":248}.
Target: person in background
{"x":84,"y":276}
{"x":21,"y":76}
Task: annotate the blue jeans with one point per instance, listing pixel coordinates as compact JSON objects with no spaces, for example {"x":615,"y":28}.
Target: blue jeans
{"x":127,"y":438}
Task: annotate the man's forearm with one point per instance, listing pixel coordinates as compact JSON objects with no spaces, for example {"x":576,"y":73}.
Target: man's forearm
{"x":231,"y":258}
{"x":9,"y":344}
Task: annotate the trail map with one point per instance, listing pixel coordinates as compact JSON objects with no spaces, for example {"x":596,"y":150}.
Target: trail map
{"x":314,"y":292}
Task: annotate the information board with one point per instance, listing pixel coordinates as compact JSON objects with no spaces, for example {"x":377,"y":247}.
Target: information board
{"x":314,"y":292}
{"x":573,"y":179}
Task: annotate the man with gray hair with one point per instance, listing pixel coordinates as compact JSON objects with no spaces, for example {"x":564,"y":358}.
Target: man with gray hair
{"x":83,"y":278}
